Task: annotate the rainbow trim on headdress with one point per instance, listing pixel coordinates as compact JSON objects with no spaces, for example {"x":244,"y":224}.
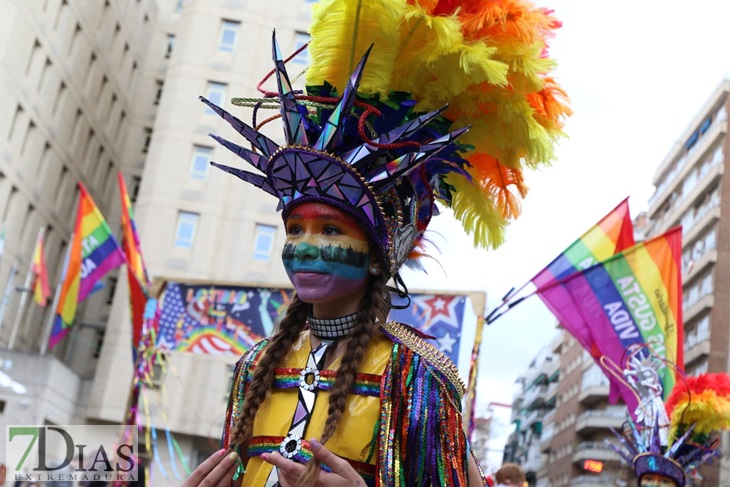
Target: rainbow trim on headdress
{"x":392,"y":85}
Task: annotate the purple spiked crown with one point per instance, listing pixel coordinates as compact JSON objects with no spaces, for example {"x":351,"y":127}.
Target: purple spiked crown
{"x":387,"y":183}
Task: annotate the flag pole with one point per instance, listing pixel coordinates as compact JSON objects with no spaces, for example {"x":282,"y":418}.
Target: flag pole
{"x":59,"y":287}
{"x":24,"y":293}
{"x":8,"y":294}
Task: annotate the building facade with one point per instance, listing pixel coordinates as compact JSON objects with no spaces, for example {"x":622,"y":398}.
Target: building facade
{"x":574,"y":451}
{"x":77,"y":93}
{"x":532,"y":404}
{"x":95,"y":87}
{"x":692,"y":192}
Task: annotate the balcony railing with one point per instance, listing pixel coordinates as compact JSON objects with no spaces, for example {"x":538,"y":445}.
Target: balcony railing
{"x":594,"y":450}
{"x":532,"y":417}
{"x":595,"y":420}
{"x":696,"y":351}
{"x":593,"y":393}
{"x":535,"y":396}
{"x":591,"y":480}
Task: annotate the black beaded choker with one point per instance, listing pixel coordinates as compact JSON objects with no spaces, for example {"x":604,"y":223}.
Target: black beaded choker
{"x":333,"y":328}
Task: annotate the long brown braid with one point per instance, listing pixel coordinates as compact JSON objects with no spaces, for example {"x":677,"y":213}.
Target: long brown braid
{"x":288,"y":331}
{"x":376,"y":305}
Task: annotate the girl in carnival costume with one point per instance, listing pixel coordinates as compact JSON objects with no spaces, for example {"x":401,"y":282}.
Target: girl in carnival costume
{"x":368,"y":150}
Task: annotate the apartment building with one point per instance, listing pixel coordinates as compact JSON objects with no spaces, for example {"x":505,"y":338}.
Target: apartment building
{"x":692,"y":192}
{"x":573,"y":446}
{"x":532,"y":405}
{"x":97,"y":86}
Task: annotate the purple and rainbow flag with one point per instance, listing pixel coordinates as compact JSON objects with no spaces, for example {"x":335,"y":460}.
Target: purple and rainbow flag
{"x":612,"y":234}
{"x":632,"y":299}
{"x":94,"y":252}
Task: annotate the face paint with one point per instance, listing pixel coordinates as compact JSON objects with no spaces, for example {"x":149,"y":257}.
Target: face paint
{"x":326,"y":254}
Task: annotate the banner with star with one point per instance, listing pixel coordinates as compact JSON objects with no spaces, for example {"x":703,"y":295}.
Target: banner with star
{"x":213,"y":319}
{"x":438,"y":315}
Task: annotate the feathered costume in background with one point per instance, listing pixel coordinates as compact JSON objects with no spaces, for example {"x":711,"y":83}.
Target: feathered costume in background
{"x":698,"y":408}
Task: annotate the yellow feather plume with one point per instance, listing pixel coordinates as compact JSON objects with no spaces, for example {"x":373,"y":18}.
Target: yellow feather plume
{"x":488,"y":60}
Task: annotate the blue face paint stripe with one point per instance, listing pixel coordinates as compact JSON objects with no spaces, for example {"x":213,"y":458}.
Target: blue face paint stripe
{"x":342,"y":271}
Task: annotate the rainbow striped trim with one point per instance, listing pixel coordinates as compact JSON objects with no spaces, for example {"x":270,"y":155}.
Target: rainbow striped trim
{"x":270,"y":444}
{"x":288,"y":378}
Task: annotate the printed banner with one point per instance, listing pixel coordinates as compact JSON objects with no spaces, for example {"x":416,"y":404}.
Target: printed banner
{"x":438,"y":315}
{"x":217,"y":319}
{"x":230,"y":319}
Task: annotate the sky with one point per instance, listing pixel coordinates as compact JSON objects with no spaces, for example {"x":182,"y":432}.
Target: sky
{"x":637,"y":73}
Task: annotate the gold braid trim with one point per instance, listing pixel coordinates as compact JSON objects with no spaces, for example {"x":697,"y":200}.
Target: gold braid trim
{"x":433,"y":356}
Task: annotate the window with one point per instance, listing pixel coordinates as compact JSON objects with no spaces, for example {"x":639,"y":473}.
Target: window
{"x":216,"y":94}
{"x":111,"y":290}
{"x":136,"y":182}
{"x":264,"y":242}
{"x":170,"y":45}
{"x":19,"y":112}
{"x":147,"y":138}
{"x":98,"y":342}
{"x":199,"y":164}
{"x":229,"y":36}
{"x":300,"y":39}
{"x":159,"y":84}
{"x":179,"y":5}
{"x":186,"y":225}
{"x":60,"y":94}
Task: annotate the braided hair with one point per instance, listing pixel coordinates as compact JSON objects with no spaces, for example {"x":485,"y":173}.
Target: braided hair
{"x":289,"y":329}
{"x":375,"y":306}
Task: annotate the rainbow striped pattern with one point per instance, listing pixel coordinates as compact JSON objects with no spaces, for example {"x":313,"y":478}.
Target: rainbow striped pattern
{"x":270,"y":444}
{"x":41,"y":289}
{"x":631,"y":299}
{"x":135,"y":262}
{"x":364,"y":385}
{"x":612,"y":234}
{"x":137,"y":278}
{"x":94,"y":252}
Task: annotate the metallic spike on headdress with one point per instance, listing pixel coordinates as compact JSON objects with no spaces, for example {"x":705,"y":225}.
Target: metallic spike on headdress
{"x":628,"y":457}
{"x":291,"y":112}
{"x":677,"y":444}
{"x":256,"y":160}
{"x":371,"y":150}
{"x":388,"y":174}
{"x":333,"y":129}
{"x":257,"y":139}
{"x":256,"y":179}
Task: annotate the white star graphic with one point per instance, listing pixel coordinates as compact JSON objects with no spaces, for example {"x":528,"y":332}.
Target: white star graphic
{"x":446,"y":343}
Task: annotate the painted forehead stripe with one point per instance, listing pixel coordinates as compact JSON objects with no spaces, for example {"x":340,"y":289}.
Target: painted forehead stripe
{"x":318,"y":211}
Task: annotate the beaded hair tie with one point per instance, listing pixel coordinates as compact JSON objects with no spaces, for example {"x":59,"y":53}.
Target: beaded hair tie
{"x":333,"y":328}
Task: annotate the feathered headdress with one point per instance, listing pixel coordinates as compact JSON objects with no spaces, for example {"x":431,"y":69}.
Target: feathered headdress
{"x":381,"y":131}
{"x":698,"y":408}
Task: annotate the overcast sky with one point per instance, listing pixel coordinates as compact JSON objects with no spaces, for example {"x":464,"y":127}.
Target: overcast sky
{"x":637,"y":73}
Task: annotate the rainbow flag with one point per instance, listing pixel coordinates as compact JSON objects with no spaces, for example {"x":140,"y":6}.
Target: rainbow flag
{"x":612,"y":234}
{"x":41,"y":289}
{"x":94,"y":252}
{"x":632,"y":299}
{"x":137,"y":278}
